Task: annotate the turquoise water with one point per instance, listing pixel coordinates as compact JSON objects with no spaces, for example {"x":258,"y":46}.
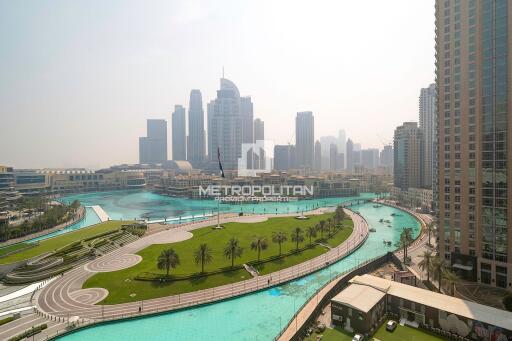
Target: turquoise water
{"x":91,"y":218}
{"x":257,"y":316}
{"x":142,"y":204}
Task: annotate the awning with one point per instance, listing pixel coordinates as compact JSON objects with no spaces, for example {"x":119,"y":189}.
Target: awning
{"x":463,"y":267}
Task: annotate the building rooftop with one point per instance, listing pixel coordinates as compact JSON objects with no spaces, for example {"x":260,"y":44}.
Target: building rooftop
{"x":450,"y":304}
{"x":360,"y":297}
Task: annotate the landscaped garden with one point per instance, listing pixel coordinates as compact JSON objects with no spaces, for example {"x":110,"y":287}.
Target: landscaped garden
{"x":52,"y":244}
{"x":401,"y":333}
{"x":42,"y":216}
{"x":215,"y":257}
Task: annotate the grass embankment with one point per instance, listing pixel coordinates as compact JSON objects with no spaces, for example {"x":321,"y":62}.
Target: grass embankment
{"x":54,"y":243}
{"x":13,"y":248}
{"x":121,"y":284}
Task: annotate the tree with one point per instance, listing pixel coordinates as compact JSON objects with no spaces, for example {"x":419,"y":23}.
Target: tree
{"x":297,"y":237}
{"x":259,"y":243}
{"x":168,"y":259}
{"x":404,"y":241}
{"x":203,"y":255}
{"x":321,"y":227}
{"x":452,"y":279}
{"x":339,"y":214}
{"x":330,"y":224}
{"x":233,"y":250}
{"x":311,"y":232}
{"x":440,"y":267}
{"x":426,"y":263}
{"x":430,"y":228}
{"x":279,"y":238}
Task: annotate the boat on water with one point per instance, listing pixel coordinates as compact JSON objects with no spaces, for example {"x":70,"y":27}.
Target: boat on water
{"x":376,"y":206}
{"x":381,"y":220}
{"x":373,"y":229}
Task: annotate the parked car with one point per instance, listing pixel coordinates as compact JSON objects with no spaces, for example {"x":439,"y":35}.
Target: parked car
{"x":358,"y":337}
{"x":391,"y":325}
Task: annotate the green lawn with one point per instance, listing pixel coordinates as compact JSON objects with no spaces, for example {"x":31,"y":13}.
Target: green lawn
{"x":12,"y":248}
{"x":405,"y":333}
{"x":336,"y":334}
{"x":400,"y":334}
{"x":121,"y":284}
{"x":57,"y":242}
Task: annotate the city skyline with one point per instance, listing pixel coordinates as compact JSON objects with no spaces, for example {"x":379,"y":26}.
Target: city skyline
{"x":112,"y":93}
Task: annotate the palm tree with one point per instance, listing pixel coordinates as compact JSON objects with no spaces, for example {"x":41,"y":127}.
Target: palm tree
{"x":279,"y":238}
{"x":452,"y":279}
{"x":426,"y":263}
{"x":321,"y":227}
{"x":311,"y":232}
{"x":259,"y":243}
{"x":400,"y":243}
{"x":440,"y":267}
{"x":203,"y":255}
{"x":430,"y":228}
{"x":404,"y":241}
{"x":168,"y":259}
{"x":232,"y":250}
{"x":330,"y":222}
{"x":297,"y":237}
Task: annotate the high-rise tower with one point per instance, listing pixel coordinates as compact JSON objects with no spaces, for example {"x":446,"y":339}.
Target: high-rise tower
{"x":196,"y":140}
{"x":473,"y":69}
{"x":305,"y":139}
{"x":179,"y":133}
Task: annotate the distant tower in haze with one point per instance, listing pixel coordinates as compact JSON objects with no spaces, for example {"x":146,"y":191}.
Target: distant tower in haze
{"x":225,"y":125}
{"x":153,"y":147}
{"x":334,"y":157}
{"x":427,"y":109}
{"x":305,"y":139}
{"x":350,"y":155}
{"x":386,"y":157}
{"x":179,"y":131}
{"x":342,"y":146}
{"x":196,"y":141}
{"x":259,"y":130}
{"x":318,"y":156}
{"x":246,"y":110}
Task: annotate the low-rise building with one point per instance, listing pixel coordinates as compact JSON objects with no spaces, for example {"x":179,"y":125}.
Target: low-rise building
{"x":362,"y":305}
{"x":414,"y":197}
{"x":75,"y":181}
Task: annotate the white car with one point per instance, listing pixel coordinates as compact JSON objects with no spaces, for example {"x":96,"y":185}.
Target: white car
{"x":358,"y":337}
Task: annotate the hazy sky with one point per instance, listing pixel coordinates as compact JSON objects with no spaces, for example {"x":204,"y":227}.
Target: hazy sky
{"x":78,"y":79}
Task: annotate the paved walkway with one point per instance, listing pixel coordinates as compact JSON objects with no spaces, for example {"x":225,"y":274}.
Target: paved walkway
{"x":100,"y":212}
{"x":64,"y":297}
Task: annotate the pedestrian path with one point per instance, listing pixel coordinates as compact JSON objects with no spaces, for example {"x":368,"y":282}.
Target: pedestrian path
{"x":26,"y":290}
{"x":100,"y":212}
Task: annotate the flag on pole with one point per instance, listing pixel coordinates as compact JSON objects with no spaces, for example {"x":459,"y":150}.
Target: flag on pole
{"x":220,"y":164}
